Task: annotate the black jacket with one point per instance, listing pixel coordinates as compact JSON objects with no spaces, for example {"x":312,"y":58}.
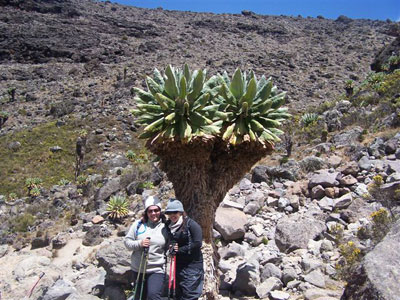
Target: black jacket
{"x":189,"y":238}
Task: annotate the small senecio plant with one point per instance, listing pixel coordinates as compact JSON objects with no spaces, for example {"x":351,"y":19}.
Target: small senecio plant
{"x":117,"y":207}
{"x":183,"y":105}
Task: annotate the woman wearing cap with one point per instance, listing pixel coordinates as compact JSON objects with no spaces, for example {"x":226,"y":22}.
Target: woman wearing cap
{"x":186,"y":240}
{"x":149,"y":232}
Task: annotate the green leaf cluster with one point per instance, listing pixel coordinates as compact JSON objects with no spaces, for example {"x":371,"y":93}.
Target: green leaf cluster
{"x":181,"y":104}
{"x":117,"y":207}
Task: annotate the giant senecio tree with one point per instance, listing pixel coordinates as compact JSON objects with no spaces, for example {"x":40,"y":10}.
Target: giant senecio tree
{"x":208,"y":133}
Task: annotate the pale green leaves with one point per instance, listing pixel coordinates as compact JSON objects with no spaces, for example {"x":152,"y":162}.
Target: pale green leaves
{"x":181,"y":104}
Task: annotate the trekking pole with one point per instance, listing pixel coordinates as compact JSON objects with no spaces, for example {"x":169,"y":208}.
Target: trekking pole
{"x":171,"y":266}
{"x":137,"y":278}
{"x":31,"y":291}
{"x":146,"y":258}
{"x":174,"y":290}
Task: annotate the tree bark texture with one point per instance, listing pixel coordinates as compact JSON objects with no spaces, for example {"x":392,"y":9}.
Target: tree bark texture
{"x":202,"y":172}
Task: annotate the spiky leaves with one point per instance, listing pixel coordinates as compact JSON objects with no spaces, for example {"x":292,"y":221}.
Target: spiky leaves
{"x":181,"y":104}
{"x":176,"y":105}
{"x":253,"y":108}
{"x":117,"y":207}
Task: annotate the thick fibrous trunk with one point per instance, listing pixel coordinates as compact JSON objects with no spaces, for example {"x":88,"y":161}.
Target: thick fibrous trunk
{"x":202,"y":172}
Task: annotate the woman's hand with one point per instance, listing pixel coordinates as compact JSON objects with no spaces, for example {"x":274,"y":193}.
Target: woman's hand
{"x":145,"y":243}
{"x":173,"y":249}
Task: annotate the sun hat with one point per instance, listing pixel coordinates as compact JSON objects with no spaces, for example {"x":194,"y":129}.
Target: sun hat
{"x":174,"y":205}
{"x":150,"y":201}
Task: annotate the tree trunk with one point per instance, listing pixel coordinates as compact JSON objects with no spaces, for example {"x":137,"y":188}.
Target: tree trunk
{"x":202,"y":172}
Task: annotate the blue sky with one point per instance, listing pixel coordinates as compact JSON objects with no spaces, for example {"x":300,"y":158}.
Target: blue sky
{"x":331,"y":9}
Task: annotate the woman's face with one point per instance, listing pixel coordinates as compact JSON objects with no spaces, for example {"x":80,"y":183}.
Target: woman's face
{"x":154,"y":213}
{"x":174,"y":216}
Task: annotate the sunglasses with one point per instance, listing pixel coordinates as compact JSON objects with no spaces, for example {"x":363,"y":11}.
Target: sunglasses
{"x":150,"y":211}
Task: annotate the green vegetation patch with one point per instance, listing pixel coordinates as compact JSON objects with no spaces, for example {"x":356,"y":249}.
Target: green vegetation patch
{"x":34,"y":157}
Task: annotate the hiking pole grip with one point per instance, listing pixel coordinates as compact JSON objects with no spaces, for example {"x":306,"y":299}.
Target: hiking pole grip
{"x":146,"y":249}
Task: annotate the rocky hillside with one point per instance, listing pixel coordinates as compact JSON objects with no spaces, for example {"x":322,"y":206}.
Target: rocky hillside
{"x":304,"y":224}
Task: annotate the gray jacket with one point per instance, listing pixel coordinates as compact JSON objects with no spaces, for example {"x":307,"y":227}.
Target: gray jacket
{"x":158,"y":238}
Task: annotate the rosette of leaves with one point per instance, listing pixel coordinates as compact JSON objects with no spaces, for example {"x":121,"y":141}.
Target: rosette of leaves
{"x":176,"y":105}
{"x":118,"y":207}
{"x":33,"y":186}
{"x":309,"y":118}
{"x":252,"y":108}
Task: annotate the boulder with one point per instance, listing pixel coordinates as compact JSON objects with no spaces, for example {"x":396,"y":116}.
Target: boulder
{"x":267,"y":286}
{"x":325,"y":178}
{"x":378,"y":276}
{"x":259,"y":174}
{"x":230,"y":223}
{"x":247,"y":278}
{"x":293,"y":232}
{"x":60,"y":290}
{"x":115,"y":258}
{"x":109,"y":188}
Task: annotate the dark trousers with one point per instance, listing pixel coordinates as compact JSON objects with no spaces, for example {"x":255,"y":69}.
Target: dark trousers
{"x":153,"y":286}
{"x":189,"y":283}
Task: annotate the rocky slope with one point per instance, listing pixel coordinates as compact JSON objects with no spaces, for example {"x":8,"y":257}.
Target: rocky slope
{"x":86,"y":54}
{"x":74,"y":62}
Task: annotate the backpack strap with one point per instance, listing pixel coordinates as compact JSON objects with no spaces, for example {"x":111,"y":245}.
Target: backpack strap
{"x":138,"y":226}
{"x":189,"y":233}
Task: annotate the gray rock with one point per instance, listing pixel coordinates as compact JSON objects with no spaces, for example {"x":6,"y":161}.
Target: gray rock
{"x":232,"y":204}
{"x":267,"y":286}
{"x":116,"y":261}
{"x":324,"y":178}
{"x":343,"y":202}
{"x":377,"y":148}
{"x":247,"y":278}
{"x":231,"y":250}
{"x":315,"y":278}
{"x":252,"y":208}
{"x":310,"y":264}
{"x":82,"y":297}
{"x":365,"y":163}
{"x":293,"y":232}
{"x":378,"y":277}
{"x":95,"y":235}
{"x":230,"y":223}
{"x":259,"y":174}
{"x":245,"y":184}
{"x":289,"y":170}
{"x":317,"y":192}
{"x":393,"y":177}
{"x":270,"y":270}
{"x":279,"y":295}
{"x":326,"y":204}
{"x":393,"y":166}
{"x":60,"y":290}
{"x":334,"y":161}
{"x":317,"y":293}
{"x":289,"y":274}
{"x":348,"y":180}
{"x":283,"y":202}
{"x":361,"y":189}
{"x":351,"y":168}
{"x":3,"y":250}
{"x":109,"y":188}
{"x":347,"y":138}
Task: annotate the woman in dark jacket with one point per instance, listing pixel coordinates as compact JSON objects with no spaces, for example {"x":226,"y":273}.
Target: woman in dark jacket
{"x":186,"y":241}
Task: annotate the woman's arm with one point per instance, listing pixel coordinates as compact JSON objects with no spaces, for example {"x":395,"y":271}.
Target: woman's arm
{"x":130,"y":240}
